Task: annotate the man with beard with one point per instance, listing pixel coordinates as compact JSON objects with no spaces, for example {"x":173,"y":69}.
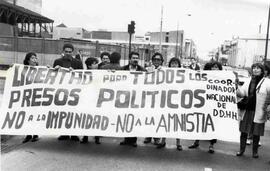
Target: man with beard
{"x":132,"y":66}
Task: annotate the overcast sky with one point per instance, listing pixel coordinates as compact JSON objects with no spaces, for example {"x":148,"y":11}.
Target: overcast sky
{"x":211,"y":21}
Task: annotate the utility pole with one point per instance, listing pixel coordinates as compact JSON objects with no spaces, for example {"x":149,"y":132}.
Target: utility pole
{"x":160,"y":38}
{"x":176,"y":46}
{"x":267,"y":36}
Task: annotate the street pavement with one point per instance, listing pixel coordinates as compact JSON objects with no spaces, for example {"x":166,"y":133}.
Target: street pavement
{"x":50,"y":154}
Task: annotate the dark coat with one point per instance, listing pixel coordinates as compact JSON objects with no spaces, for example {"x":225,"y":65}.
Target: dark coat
{"x":139,"y":68}
{"x":67,"y":63}
{"x":113,"y":66}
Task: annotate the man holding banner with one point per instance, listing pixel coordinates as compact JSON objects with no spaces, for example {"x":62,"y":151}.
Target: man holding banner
{"x":157,"y":60}
{"x":67,"y":61}
{"x":132,"y":66}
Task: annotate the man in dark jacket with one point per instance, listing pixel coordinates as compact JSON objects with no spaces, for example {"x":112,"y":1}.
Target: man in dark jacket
{"x":133,"y":63}
{"x":132,"y":66}
{"x":67,"y":61}
{"x":105,"y":59}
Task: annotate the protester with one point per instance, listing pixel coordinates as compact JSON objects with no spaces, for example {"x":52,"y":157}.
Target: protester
{"x":173,"y":63}
{"x":30,"y":59}
{"x":132,"y":66}
{"x":208,"y":66}
{"x":157,"y":61}
{"x":67,"y":61}
{"x":194,"y":64}
{"x":105,"y":59}
{"x":91,"y":63}
{"x":114,"y":62}
{"x":79,"y":55}
{"x":254,"y":115}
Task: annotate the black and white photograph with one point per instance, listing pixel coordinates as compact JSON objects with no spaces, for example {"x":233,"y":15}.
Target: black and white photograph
{"x":147,"y":85}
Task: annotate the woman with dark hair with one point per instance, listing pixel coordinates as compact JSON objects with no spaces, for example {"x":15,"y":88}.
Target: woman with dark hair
{"x":173,"y":63}
{"x":215,"y":66}
{"x":208,"y":66}
{"x":91,"y":63}
{"x":30,"y":59}
{"x":254,"y":114}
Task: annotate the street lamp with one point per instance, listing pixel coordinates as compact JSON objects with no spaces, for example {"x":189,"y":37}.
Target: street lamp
{"x":267,"y":35}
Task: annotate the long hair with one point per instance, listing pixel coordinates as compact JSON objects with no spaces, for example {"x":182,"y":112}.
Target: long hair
{"x":259,"y":65}
{"x":176,"y":60}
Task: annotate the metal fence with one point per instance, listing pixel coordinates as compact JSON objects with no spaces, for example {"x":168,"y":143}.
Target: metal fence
{"x":13,"y":49}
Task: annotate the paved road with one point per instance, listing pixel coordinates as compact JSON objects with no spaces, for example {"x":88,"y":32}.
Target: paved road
{"x":51,"y":154}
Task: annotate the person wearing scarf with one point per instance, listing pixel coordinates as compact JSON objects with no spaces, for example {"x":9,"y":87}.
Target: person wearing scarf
{"x":254,"y":116}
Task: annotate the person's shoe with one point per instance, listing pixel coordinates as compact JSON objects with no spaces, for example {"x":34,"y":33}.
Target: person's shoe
{"x":195,"y":145}
{"x":84,"y":140}
{"x":147,"y":140}
{"x":75,"y":138}
{"x":123,"y":142}
{"x":27,"y":138}
{"x":179,"y":147}
{"x":248,"y":141}
{"x":240,"y":153}
{"x":156,"y":142}
{"x":211,"y":149}
{"x":35,"y":138}
{"x":134,"y":144}
{"x":255,"y":155}
{"x":63,"y":137}
{"x":161,"y":145}
{"x":97,"y":141}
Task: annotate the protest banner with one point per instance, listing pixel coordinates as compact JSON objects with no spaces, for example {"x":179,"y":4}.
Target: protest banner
{"x":173,"y":103}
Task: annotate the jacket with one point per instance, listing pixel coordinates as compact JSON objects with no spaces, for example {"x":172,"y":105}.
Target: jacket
{"x":262,"y":99}
{"x":139,"y":68}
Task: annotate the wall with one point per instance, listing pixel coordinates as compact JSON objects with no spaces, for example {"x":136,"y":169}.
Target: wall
{"x":64,"y":32}
{"x":246,"y":51}
{"x":14,"y":49}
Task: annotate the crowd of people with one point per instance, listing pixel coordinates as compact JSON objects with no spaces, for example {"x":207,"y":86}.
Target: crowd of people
{"x":253,"y":107}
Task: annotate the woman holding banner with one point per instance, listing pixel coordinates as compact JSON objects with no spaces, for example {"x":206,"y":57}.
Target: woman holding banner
{"x":173,"y":63}
{"x":30,"y":59}
{"x":91,"y":63}
{"x":208,"y":66}
{"x":256,"y":92}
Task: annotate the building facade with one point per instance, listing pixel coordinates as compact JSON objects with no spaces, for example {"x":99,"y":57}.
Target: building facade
{"x":244,"y":51}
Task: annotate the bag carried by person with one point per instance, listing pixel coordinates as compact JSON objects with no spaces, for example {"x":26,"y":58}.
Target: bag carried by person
{"x":242,"y":104}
